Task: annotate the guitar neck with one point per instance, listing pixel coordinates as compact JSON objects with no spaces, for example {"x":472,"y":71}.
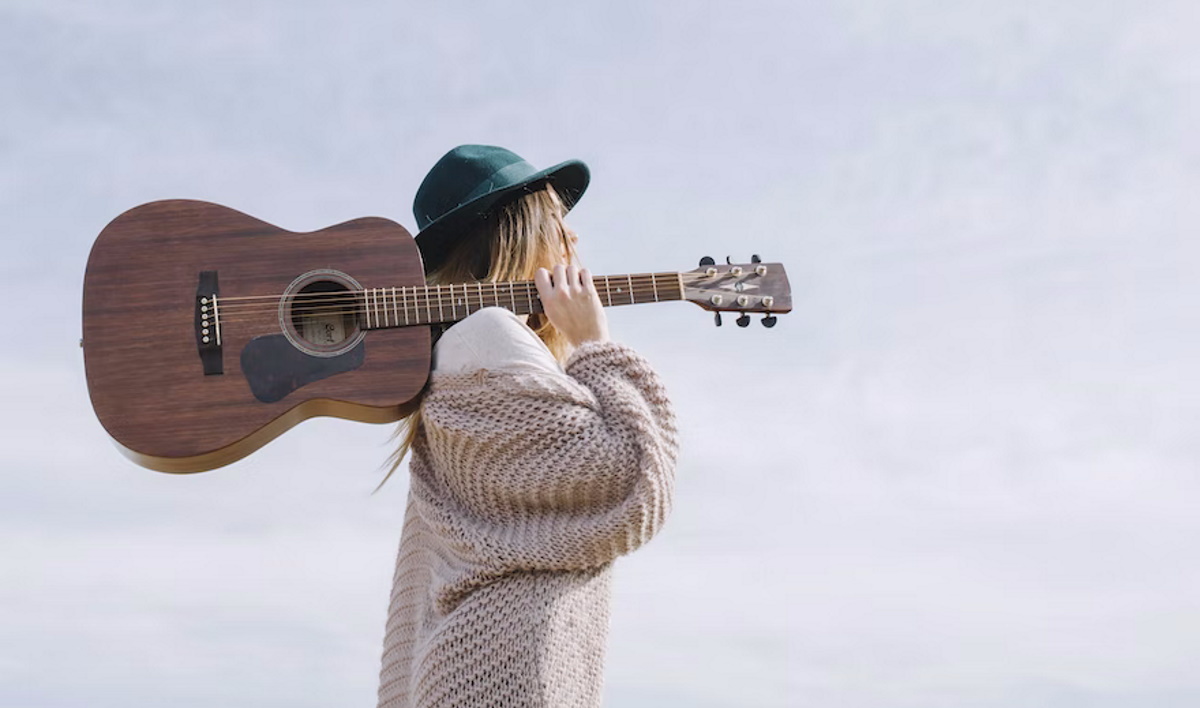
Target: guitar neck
{"x":382,"y":308}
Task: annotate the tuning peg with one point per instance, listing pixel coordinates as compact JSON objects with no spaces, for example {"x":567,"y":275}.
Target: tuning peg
{"x":744,"y":320}
{"x":707,"y":260}
{"x":768,"y":321}
{"x":727,"y":261}
{"x":755,"y":259}
{"x":717,"y":318}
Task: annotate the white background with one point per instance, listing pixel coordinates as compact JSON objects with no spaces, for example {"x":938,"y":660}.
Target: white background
{"x":963,"y":472}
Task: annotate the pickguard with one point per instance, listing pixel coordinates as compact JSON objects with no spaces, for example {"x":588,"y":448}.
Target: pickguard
{"x":275,"y":368}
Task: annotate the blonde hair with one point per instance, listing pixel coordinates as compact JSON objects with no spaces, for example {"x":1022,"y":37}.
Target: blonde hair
{"x":509,"y":243}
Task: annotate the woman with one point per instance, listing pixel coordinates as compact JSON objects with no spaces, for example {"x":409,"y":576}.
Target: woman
{"x":541,"y":452}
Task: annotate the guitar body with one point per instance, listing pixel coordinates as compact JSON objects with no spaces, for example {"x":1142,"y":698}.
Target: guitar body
{"x":185,"y":388}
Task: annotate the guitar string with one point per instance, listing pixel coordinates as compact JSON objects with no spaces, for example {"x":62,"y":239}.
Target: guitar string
{"x":648,"y":279}
{"x":406,"y":296}
{"x":388,"y":306}
{"x":357,"y":297}
{"x":443,"y":292}
{"x":395,"y":307}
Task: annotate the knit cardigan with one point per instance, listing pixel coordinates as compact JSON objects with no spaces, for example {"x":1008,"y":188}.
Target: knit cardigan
{"x":524,"y":488}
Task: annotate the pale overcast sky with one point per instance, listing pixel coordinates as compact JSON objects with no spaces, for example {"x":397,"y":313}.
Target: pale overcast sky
{"x":964,"y":471}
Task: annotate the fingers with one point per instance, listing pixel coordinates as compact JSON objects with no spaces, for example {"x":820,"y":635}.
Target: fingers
{"x":569,"y":279}
{"x":565,"y":280}
{"x":541,"y":278}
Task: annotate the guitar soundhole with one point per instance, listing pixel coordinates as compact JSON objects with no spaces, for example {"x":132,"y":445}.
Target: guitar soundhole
{"x":320,"y":313}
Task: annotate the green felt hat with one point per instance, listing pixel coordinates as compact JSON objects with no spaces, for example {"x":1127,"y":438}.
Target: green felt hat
{"x":470,"y":181}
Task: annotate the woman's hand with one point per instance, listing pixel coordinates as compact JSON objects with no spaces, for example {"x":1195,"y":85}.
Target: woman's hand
{"x":570,"y":300}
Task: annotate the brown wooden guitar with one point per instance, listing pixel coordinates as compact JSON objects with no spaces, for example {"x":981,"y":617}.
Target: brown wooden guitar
{"x":207,"y":333}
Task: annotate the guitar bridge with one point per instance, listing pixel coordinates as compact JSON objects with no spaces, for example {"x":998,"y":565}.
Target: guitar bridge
{"x":208,"y":324}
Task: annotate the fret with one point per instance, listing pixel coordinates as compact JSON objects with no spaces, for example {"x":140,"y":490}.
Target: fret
{"x":371,"y":309}
{"x":479,"y":285}
{"x":428,"y":308}
{"x":529,"y":298}
{"x":630,"y":279}
{"x":512,"y":295}
{"x":654,"y":284}
{"x":383,"y":306}
{"x":495,"y":294}
{"x":395,"y":310}
{"x":608,"y":290}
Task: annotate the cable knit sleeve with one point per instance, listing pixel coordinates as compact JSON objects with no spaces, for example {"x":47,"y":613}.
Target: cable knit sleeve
{"x":543,"y":471}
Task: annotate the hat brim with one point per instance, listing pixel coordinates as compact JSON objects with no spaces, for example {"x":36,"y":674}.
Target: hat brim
{"x":570,"y":180}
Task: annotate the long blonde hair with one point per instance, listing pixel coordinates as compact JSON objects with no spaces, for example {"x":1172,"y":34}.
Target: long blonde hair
{"x":510,"y":243}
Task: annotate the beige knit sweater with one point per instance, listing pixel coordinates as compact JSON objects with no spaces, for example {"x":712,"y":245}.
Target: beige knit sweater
{"x":525,"y":486}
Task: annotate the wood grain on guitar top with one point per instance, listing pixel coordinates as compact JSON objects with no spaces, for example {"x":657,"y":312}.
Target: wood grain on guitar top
{"x":144,"y":372}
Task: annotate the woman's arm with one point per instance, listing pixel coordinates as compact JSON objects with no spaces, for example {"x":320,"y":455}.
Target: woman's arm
{"x":549,"y":471}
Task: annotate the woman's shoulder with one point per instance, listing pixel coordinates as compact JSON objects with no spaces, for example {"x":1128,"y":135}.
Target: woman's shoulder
{"x":492,"y":338}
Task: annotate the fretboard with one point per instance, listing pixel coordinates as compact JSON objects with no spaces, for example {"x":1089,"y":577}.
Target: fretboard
{"x":403,"y":306}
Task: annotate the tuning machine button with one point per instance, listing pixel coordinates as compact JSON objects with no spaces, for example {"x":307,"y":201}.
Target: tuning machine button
{"x":707,"y":261}
{"x":768,"y":321}
{"x":717,"y":318}
{"x":744,"y":320}
{"x":755,"y":259}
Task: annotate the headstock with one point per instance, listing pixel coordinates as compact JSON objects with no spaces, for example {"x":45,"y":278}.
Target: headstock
{"x":745,"y":287}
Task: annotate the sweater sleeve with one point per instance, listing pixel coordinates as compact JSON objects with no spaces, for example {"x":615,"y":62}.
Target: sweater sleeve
{"x":538,"y":471}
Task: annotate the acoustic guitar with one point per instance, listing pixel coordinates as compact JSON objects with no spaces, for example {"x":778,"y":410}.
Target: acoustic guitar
{"x":207,"y":333}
